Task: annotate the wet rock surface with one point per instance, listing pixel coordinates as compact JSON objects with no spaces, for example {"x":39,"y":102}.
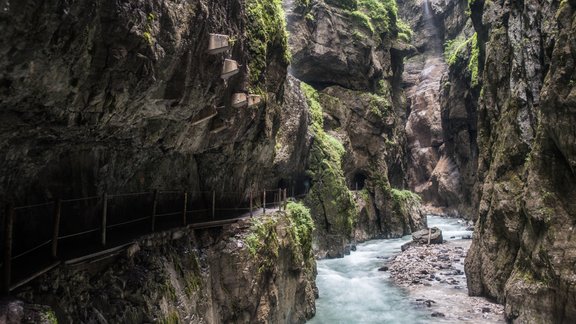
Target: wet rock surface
{"x":441,"y":150}
{"x":202,"y":276}
{"x":434,"y":277}
{"x":523,"y":252}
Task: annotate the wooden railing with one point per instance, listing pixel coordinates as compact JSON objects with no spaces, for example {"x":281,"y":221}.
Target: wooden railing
{"x":94,"y":219}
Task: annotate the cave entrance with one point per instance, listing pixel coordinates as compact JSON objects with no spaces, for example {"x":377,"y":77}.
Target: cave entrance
{"x":359,"y":181}
{"x":297,"y":186}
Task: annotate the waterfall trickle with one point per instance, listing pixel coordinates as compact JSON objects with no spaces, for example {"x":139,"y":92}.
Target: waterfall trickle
{"x":288,"y":6}
{"x":426,"y":5}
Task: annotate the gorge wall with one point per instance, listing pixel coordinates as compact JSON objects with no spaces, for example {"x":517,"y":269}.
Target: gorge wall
{"x":500,"y":142}
{"x":249,"y":272}
{"x":441,"y":126}
{"x":523,"y":253}
{"x":105,"y":97}
{"x":350,"y":55}
{"x":102,"y":97}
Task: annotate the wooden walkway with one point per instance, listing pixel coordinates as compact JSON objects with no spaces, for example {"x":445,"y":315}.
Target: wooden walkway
{"x":72,"y":239}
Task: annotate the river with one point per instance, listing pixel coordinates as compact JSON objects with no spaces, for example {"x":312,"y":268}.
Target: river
{"x":352,"y":290}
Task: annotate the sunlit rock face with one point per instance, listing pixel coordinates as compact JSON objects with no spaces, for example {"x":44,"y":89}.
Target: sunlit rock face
{"x":442,"y":121}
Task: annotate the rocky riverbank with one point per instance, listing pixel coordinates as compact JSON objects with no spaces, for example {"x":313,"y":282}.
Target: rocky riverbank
{"x":434,"y":277}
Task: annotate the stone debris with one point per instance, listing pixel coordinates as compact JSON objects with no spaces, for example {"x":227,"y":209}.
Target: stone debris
{"x":435,"y":275}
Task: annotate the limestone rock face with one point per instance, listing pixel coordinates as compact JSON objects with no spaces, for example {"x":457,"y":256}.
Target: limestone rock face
{"x":441,"y":141}
{"x":106,"y":97}
{"x":203,"y":276}
{"x":371,"y":131}
{"x":356,"y":75}
{"x":523,"y":251}
{"x":101,"y":97}
{"x":331,"y":47}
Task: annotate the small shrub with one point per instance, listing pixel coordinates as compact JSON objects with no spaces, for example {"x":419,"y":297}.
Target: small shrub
{"x":301,"y":229}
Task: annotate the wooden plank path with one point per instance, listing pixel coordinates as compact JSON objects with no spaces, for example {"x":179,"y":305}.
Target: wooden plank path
{"x":110,"y":240}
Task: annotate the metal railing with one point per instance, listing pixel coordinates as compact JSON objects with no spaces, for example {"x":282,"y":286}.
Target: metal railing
{"x":105,"y":213}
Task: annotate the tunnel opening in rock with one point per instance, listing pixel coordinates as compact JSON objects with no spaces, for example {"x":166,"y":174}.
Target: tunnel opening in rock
{"x":298,"y":185}
{"x":358,"y":181}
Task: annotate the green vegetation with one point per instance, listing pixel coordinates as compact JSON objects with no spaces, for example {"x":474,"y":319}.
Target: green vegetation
{"x":379,"y":105}
{"x":344,"y":4}
{"x":453,"y":48}
{"x":302,"y":3}
{"x":309,"y":17}
{"x":383,"y":14}
{"x":172,"y":318}
{"x":461,"y":49}
{"x":262,"y":242}
{"x":192,"y":275}
{"x":301,"y":227}
{"x":377,"y":16}
{"x":402,"y":199}
{"x":314,"y":105}
{"x":50,"y":317}
{"x":266,"y":34}
{"x":365,"y":195}
{"x":148,"y":37}
{"x":404,"y":31}
{"x":362,"y":19}
{"x":403,"y":196}
{"x":473,"y":63}
{"x":329,"y":195}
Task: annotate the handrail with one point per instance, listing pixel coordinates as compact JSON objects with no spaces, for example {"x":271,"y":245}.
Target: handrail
{"x":245,"y":201}
{"x":130,"y":194}
{"x":81,"y":199}
{"x":31,"y":250}
{"x":34,"y":206}
{"x":78,"y":234}
{"x":127,"y":222}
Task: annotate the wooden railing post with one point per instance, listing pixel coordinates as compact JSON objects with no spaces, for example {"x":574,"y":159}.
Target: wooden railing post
{"x":7,"y":273}
{"x":56,"y":227}
{"x":264,"y":203}
{"x":213,"y":204}
{"x":250,"y":203}
{"x":185,"y":208}
{"x":104,"y":218}
{"x":154,"y":206}
{"x":280,"y":199}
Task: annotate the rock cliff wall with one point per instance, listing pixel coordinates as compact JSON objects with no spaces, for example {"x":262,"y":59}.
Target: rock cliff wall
{"x":441,"y":127}
{"x":350,"y":55}
{"x":103,"y":96}
{"x":523,"y":253}
{"x":251,"y":272}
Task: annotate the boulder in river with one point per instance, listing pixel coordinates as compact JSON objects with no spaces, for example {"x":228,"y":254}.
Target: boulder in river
{"x":425,"y":236}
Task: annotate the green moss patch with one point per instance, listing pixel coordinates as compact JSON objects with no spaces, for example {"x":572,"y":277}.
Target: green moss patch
{"x":266,"y":33}
{"x":329,"y":196}
{"x":464,"y":50}
{"x":262,"y":242}
{"x":301,"y":227}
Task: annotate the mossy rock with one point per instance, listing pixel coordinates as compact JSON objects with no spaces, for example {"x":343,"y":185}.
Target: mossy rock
{"x":344,"y":4}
